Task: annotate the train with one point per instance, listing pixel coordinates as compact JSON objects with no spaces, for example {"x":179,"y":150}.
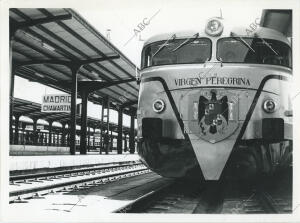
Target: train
{"x":216,"y":102}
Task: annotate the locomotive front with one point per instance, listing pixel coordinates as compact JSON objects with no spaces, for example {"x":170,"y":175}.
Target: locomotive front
{"x":215,"y":99}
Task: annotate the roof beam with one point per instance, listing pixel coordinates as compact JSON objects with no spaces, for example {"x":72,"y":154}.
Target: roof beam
{"x":103,"y":58}
{"x":24,"y":104}
{"x":67,"y":63}
{"x":66,"y":119}
{"x":46,"y":80}
{"x":49,"y":115}
{"x":15,"y":26}
{"x":27,"y":112}
{"x":91,"y":86}
{"x":22,"y":25}
{"x":129,"y":103}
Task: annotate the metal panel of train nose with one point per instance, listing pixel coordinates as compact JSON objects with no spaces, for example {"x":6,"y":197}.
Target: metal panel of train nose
{"x":213,"y":126}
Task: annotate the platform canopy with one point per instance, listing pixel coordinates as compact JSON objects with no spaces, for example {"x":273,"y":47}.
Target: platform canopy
{"x":45,"y":42}
{"x":33,"y":111}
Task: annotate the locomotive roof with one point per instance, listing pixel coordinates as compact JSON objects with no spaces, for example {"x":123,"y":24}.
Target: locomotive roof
{"x":262,"y":32}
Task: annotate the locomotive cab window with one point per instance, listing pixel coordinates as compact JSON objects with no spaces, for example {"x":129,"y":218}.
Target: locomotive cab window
{"x":178,"y":51}
{"x":254,"y":51}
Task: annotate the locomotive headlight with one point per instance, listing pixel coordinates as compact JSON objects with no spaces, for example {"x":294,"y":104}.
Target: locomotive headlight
{"x":269,"y":106}
{"x":158,"y":105}
{"x":214,"y":27}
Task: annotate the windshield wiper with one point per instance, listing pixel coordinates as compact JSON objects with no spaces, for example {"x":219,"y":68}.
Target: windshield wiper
{"x":195,"y":36}
{"x":163,"y":46}
{"x":233,"y":35}
{"x":266,"y":43}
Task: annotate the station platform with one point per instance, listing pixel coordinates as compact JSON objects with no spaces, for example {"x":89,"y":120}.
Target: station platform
{"x":17,"y":163}
{"x":90,"y":205}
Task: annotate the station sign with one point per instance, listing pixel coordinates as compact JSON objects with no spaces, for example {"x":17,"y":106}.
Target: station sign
{"x":97,"y":134}
{"x":56,"y":103}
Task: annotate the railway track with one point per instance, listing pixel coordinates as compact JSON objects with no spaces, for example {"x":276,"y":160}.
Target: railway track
{"x":210,"y":198}
{"x":35,"y":186}
{"x":172,"y":198}
{"x":260,"y":202}
{"x":266,"y":195}
{"x":228,"y":197}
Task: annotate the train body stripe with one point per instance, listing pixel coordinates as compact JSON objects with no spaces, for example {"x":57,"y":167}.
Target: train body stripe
{"x":223,"y":87}
{"x":172,"y":102}
{"x":254,"y":102}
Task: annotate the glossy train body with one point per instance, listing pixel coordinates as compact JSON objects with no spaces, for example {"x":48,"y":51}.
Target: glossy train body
{"x":210,"y":103}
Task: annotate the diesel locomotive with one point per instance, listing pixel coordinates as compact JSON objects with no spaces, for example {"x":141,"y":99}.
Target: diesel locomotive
{"x":216,"y":99}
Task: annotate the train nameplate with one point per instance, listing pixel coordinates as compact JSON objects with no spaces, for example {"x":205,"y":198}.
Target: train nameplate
{"x":196,"y":81}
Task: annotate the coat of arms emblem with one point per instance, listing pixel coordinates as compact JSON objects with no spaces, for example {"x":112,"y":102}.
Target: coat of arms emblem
{"x":214,"y":115}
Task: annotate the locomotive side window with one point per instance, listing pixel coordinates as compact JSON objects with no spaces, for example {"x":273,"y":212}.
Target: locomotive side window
{"x":254,"y":51}
{"x":177,"y":51}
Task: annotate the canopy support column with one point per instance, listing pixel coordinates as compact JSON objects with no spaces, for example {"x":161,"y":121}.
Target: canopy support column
{"x":111,"y":140}
{"x":107,"y":113}
{"x":131,"y":135}
{"x":16,"y":138}
{"x":94,"y":138}
{"x":120,"y":130}
{"x":101,"y":127}
{"x":125,"y":143}
{"x":84,"y":96}
{"x":23,"y":134}
{"x":35,"y":134}
{"x":50,"y":133}
{"x":68,"y":133}
{"x":73,"y":110}
{"x":107,"y":124}
{"x":42,"y":138}
{"x":63,"y":134}
{"x":12,"y":86}
{"x":89,"y":138}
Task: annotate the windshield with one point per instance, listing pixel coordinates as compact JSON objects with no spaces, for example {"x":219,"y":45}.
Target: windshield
{"x":254,"y":50}
{"x":177,"y":51}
